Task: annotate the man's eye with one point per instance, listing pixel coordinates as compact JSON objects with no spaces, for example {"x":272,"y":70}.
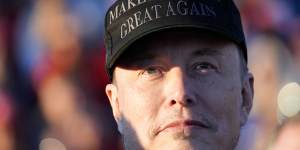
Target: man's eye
{"x":204,"y":68}
{"x":152,"y":72}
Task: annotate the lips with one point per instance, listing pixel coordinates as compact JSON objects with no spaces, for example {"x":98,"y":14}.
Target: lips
{"x":185,"y":123}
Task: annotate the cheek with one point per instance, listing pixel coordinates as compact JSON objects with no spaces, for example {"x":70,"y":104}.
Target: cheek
{"x":223,"y":100}
{"x":228,"y":114}
{"x":229,"y":104}
{"x":140,"y":106}
{"x":230,"y":96}
{"x":139,"y":99}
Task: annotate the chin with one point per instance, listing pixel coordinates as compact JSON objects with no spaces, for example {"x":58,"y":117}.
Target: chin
{"x":182,"y":143}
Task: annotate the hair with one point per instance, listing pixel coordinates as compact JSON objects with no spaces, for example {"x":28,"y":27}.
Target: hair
{"x":243,"y":63}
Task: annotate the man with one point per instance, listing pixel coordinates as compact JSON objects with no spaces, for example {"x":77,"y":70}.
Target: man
{"x":179,"y":73}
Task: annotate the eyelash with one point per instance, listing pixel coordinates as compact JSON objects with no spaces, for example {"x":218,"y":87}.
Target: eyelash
{"x":158,"y":71}
{"x":151,"y":68}
{"x":208,"y":66}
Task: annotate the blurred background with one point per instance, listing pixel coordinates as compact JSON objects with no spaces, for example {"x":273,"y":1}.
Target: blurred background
{"x":52,"y":75}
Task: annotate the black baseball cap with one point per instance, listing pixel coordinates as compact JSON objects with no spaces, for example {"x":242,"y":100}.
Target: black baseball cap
{"x":130,"y":20}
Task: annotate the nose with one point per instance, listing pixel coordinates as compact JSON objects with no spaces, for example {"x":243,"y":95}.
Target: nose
{"x":179,"y":89}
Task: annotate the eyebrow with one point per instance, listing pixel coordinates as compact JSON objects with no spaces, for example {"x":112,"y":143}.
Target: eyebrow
{"x":198,"y":52}
{"x":140,"y":58}
{"x":206,"y":52}
{"x":147,"y":56}
{"x":144,"y":56}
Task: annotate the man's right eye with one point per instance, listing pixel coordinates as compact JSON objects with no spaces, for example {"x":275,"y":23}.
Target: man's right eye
{"x":151,"y":72}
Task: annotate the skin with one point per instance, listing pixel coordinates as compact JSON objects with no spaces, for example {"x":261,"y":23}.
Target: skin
{"x":181,"y":93}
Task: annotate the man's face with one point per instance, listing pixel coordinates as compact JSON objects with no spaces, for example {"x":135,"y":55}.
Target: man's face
{"x":180,"y":90}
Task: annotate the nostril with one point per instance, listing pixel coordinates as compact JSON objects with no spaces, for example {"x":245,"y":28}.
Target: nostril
{"x":173,"y":102}
{"x":189,"y":101}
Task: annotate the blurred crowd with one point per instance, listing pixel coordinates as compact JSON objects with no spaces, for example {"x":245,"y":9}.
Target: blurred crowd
{"x":52,"y":75}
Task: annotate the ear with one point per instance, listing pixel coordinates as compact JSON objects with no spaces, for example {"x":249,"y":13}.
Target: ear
{"x":247,"y":95}
{"x":112,"y":94}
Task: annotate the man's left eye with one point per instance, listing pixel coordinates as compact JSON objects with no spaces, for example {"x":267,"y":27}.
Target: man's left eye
{"x":204,"y":68}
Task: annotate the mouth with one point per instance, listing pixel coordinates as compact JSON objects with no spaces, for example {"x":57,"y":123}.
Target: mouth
{"x":185,"y":124}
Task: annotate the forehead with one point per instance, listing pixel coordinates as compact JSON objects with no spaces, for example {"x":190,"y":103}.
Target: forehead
{"x":170,"y":42}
